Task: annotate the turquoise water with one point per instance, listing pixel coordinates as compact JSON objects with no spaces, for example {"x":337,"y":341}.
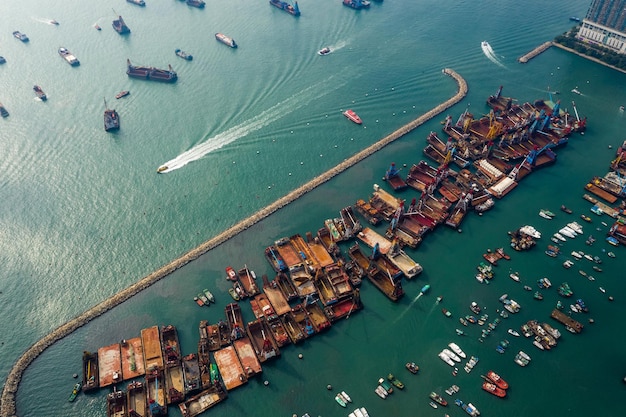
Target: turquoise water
{"x":85,"y":215}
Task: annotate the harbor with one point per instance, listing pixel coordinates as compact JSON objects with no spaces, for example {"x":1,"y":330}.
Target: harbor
{"x":10,"y":388}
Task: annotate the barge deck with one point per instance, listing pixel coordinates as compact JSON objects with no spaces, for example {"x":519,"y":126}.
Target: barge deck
{"x":109,"y":365}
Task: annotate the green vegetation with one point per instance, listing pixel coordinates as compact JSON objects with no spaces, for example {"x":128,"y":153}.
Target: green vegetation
{"x":601,"y":53}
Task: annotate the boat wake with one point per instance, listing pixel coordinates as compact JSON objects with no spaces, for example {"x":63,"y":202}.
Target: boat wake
{"x":339,"y":45}
{"x":406,"y":310}
{"x":259,"y":121}
{"x":490,"y":54}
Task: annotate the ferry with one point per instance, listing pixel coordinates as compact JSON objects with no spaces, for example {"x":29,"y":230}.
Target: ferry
{"x":67,"y":56}
{"x":283,"y":5}
{"x":351,"y":115}
{"x":226,"y":40}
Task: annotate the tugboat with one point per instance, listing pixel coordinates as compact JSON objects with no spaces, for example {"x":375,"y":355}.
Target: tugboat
{"x":40,"y":94}
{"x":75,"y":392}
{"x":183,"y":54}
{"x":351,"y":115}
{"x":111,"y":119}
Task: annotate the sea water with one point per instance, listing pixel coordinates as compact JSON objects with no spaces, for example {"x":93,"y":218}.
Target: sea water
{"x":84,"y":213}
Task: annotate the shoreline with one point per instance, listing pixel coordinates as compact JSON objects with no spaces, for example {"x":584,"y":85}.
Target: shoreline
{"x":11,"y":385}
{"x":590,"y":58}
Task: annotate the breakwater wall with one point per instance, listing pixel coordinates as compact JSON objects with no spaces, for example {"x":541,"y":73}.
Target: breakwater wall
{"x":7,"y":402}
{"x":541,"y":48}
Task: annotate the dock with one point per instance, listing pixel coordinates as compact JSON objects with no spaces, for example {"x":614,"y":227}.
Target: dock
{"x":569,"y":322}
{"x":132,"y":358}
{"x":230,"y":368}
{"x":606,"y":209}
{"x":530,"y":55}
{"x":109,"y":365}
{"x":153,"y":358}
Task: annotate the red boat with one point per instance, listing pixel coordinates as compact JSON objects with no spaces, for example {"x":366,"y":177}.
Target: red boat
{"x":497,"y":379}
{"x":231,"y":274}
{"x":493,"y":389}
{"x":350,"y":114}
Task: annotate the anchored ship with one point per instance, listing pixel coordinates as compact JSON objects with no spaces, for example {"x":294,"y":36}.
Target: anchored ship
{"x":283,"y":5}
{"x":151,"y":73}
{"x":226,"y":40}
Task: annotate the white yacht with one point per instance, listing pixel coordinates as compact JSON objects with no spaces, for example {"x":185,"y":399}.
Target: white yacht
{"x":456,"y":349}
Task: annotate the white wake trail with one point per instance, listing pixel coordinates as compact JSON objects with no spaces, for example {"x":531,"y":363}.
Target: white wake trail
{"x":490,"y":54}
{"x":257,"y":122}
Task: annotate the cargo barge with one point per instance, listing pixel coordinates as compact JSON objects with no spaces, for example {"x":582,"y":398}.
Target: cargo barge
{"x":192,"y":382}
{"x":206,"y":399}
{"x":91,"y":379}
{"x":136,"y":399}
{"x":226,"y":40}
{"x":283,"y":5}
{"x":151,"y":73}
{"x":151,"y":342}
{"x":262,"y":340}
{"x":109,"y":365}
{"x":116,"y":404}
{"x":132,"y":358}
{"x":155,"y":391}
{"x":173,"y":365}
{"x":230,"y":368}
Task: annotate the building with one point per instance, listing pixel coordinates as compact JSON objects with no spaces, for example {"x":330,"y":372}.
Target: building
{"x":605,"y":25}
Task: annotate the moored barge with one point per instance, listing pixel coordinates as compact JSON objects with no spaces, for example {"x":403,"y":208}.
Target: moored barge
{"x":91,"y":379}
{"x":230,"y":368}
{"x":283,"y":5}
{"x":151,"y":73}
{"x":151,"y":342}
{"x":110,"y":365}
{"x":173,"y":365}
{"x":116,"y":404}
{"x":226,"y":40}
{"x":136,"y":399}
{"x":206,"y":399}
{"x":570,"y":324}
{"x":132,"y":358}
{"x":262,"y":340}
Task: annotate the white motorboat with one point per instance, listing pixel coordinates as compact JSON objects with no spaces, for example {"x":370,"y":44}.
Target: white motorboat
{"x":588,"y":257}
{"x":444,"y":357}
{"x":575,"y":227}
{"x":576,"y":254}
{"x":530,"y":231}
{"x":513,"y":332}
{"x":602,"y":289}
{"x":567,"y":264}
{"x":451,"y":355}
{"x":567,"y":232}
{"x":346,"y":396}
{"x":542,"y":213}
{"x":514,"y":276}
{"x":456,"y":349}
{"x":382,"y":393}
{"x":559,"y":237}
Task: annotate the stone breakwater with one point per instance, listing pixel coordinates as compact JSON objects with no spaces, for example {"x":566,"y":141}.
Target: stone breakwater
{"x":541,"y":48}
{"x":7,"y":404}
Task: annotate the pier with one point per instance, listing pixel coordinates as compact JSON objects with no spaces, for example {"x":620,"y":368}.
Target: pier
{"x":530,"y":55}
{"x":7,"y":404}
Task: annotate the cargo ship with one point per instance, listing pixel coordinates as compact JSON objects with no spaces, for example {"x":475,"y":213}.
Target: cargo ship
{"x":111,"y":119}
{"x":226,"y":40}
{"x":283,"y":5}
{"x":151,"y":73}
{"x":68,"y":57}
{"x":120,"y":26}
{"x":173,"y":366}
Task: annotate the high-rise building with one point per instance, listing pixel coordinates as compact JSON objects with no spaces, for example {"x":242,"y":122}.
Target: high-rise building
{"x":605,"y":25}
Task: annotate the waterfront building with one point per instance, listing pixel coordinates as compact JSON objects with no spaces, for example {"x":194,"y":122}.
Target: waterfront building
{"x":605,"y":25}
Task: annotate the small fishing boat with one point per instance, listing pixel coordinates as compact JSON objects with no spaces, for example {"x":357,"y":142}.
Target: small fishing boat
{"x":75,"y":392}
{"x":234,"y":294}
{"x":340,"y":400}
{"x":198,"y":301}
{"x":324,"y":51}
{"x":513,"y":332}
{"x":514,"y":276}
{"x":231,"y":275}
{"x":395,"y":381}
{"x":446,"y":312}
{"x":585,"y":217}
{"x":565,"y":209}
{"x":122,"y":93}
{"x":40,"y":94}
{"x":209,"y":295}
{"x":412,"y":367}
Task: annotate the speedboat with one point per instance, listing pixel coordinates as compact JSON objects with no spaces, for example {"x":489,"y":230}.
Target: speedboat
{"x":444,"y":357}
{"x":567,"y":232}
{"x":162,"y":168}
{"x":514,"y":276}
{"x":324,"y":51}
{"x":513,"y":332}
{"x":575,"y":91}
{"x":559,"y":237}
{"x":575,"y":227}
{"x":451,"y":355}
{"x":576,"y":254}
{"x":544,"y":214}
